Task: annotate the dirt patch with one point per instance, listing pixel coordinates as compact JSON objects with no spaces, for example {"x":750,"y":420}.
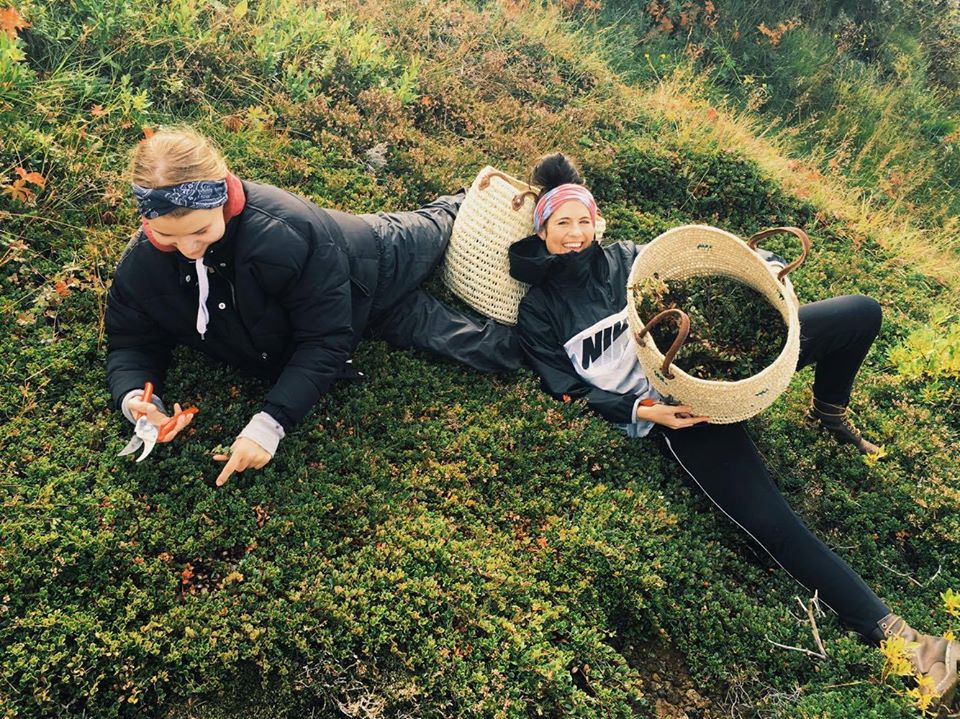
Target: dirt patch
{"x":668,"y":685}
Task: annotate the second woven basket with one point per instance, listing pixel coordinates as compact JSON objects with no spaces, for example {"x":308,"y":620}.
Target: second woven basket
{"x":693,"y":250}
{"x":497,"y":211}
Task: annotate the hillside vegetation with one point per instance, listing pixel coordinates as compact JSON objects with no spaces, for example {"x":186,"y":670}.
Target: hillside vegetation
{"x":435,"y":542}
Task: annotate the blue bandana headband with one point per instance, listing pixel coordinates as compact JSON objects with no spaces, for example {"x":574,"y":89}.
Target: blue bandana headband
{"x":199,"y":195}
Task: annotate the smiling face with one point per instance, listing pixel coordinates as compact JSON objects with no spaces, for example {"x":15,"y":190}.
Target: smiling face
{"x":569,"y":229}
{"x":191,"y":234}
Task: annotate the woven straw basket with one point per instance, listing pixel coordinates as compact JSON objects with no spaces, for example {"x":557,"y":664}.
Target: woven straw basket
{"x":497,"y":211}
{"x":694,"y":250}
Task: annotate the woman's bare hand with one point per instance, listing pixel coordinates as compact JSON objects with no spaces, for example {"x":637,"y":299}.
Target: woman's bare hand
{"x":672,"y":416}
{"x":244,"y":454}
{"x":157,"y":418}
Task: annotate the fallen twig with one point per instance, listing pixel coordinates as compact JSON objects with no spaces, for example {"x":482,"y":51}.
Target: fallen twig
{"x":901,"y":574}
{"x":809,"y":608}
{"x":815,"y":602}
{"x":935,"y":575}
{"x":796,"y":649}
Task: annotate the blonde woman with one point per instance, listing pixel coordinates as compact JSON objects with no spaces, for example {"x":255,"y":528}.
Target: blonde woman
{"x":267,"y":281}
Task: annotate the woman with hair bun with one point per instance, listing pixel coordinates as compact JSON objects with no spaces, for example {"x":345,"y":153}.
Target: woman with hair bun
{"x":572,"y":326}
{"x":267,"y":281}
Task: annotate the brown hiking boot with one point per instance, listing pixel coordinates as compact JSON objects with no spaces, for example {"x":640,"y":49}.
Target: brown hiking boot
{"x":834,"y":419}
{"x":934,"y":657}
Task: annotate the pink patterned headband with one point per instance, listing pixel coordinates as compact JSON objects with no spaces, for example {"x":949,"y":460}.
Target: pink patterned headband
{"x":556,"y":197}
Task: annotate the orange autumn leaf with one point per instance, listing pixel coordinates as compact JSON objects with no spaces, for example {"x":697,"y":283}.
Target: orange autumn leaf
{"x":34,"y":178}
{"x":97,"y":111}
{"x":19,"y":192}
{"x":775,"y":35}
{"x":712,"y":115}
{"x":61,"y":288}
{"x":11,"y":21}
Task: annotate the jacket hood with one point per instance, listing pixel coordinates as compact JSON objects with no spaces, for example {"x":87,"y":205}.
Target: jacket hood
{"x":530,"y":262}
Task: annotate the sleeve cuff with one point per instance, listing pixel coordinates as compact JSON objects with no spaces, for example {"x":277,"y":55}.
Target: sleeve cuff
{"x":265,"y":431}
{"x":626,"y":409}
{"x":137,"y":394}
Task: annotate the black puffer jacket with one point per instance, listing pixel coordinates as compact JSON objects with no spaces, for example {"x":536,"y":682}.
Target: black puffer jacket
{"x":291,"y":287}
{"x":570,"y":293}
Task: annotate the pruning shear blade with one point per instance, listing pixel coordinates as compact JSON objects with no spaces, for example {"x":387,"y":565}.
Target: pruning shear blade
{"x":144,"y":435}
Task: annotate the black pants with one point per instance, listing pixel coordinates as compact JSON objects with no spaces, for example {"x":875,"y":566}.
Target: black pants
{"x":723,"y":462}
{"x":405,"y":315}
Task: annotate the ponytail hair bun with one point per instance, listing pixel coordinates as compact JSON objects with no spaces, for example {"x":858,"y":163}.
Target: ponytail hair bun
{"x":555,"y":170}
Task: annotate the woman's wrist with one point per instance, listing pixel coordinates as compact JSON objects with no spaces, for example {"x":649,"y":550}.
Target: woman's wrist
{"x":641,"y":412}
{"x":138,"y":394}
{"x":264,"y":431}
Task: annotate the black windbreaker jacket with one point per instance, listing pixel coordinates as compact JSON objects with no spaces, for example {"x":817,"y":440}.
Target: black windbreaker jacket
{"x":569,"y":293}
{"x":291,"y":287}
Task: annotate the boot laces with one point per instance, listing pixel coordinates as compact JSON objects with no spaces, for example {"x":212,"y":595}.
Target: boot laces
{"x":842,"y":417}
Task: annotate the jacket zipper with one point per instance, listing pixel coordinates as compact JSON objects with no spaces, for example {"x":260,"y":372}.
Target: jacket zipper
{"x":233,"y":292}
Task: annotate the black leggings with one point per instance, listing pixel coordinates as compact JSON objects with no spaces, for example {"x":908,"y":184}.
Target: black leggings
{"x":724,"y":463}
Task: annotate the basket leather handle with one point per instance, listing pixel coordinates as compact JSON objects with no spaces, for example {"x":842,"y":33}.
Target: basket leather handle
{"x":518,"y":199}
{"x":521,"y":197}
{"x":681,"y":337}
{"x":796,"y":232}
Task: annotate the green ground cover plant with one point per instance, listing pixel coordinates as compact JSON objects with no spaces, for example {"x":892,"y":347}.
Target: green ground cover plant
{"x":734,"y":330}
{"x":432,"y":542}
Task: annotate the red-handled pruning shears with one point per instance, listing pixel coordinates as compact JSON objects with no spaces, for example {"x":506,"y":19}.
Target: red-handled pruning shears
{"x":145,"y":433}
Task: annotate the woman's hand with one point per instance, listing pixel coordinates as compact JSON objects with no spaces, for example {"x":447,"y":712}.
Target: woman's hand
{"x":672,"y":416}
{"x":157,"y":418}
{"x":244,"y":454}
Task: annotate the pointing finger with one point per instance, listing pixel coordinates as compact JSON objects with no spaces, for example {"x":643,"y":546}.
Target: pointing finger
{"x":228,"y":469}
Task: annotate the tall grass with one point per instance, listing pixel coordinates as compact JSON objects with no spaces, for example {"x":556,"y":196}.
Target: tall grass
{"x":861,"y":101}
